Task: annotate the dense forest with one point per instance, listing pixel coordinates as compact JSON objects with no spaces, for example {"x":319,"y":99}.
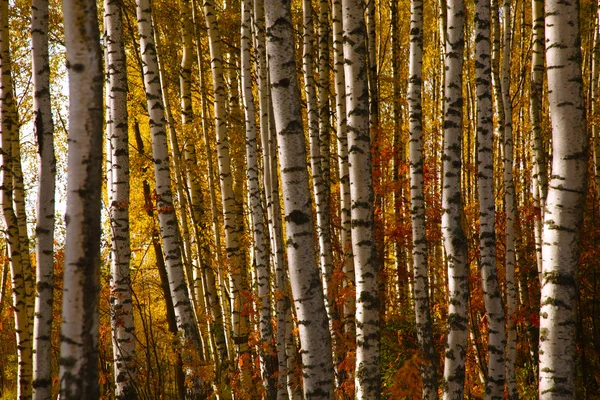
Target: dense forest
{"x":299,"y":199}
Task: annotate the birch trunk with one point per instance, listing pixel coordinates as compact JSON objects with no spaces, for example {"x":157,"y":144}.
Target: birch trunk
{"x":44,"y":131}
{"x":367,"y":376}
{"x":231,"y":216}
{"x":79,"y":341}
{"x":564,"y":206}
{"x":9,"y":130}
{"x":186,"y":324}
{"x":271,"y":186}
{"x":260,"y":249}
{"x":417,"y":197}
{"x":117,"y":136}
{"x":540,"y":179}
{"x":487,"y":206}
{"x":509,"y":204}
{"x":317,"y":364}
{"x":349,"y":307}
{"x":453,"y":235}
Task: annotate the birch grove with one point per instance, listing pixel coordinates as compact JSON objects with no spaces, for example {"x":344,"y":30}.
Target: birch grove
{"x":301,"y":199}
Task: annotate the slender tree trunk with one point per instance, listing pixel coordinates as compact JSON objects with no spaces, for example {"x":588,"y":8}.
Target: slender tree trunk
{"x":260,"y":248}
{"x":271,"y":186}
{"x":79,"y":341}
{"x":540,"y":180}
{"x":367,"y":377}
{"x":349,"y":307}
{"x":487,"y":205}
{"x":509,"y":203}
{"x":44,"y":130}
{"x":417,"y":196}
{"x":455,"y":241}
{"x":564,"y":205}
{"x":117,"y":136}
{"x":21,"y":288}
{"x":231,"y":216}
{"x":190,"y":336}
{"x":317,"y":364}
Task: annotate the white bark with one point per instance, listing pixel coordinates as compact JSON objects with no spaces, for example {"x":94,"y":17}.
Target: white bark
{"x":417,"y":198}
{"x":44,"y":130}
{"x":79,"y":331}
{"x":186,"y":323}
{"x":564,"y":205}
{"x":315,"y":340}
{"x":260,"y":249}
{"x":453,"y":235}
{"x":487,"y":204}
{"x":367,"y":376}
{"x":21,"y":288}
{"x":509,"y":203}
{"x":118,"y":170}
{"x":231,"y":218}
{"x":349,"y":308}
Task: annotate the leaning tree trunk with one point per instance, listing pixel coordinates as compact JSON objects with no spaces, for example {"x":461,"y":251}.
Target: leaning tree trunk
{"x":487,"y":205}
{"x":454,"y":238}
{"x":118,"y":168}
{"x":44,"y":132}
{"x":190,"y":335}
{"x":317,"y":363}
{"x":417,"y":198}
{"x":367,"y":376}
{"x":21,"y":288}
{"x":564,"y":205}
{"x":79,"y":341}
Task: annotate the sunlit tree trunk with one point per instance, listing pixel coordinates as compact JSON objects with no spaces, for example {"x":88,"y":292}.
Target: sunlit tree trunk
{"x":455,"y":241}
{"x":260,"y":247}
{"x":79,"y":331}
{"x":231,"y":216}
{"x":271,"y":187}
{"x":417,"y":197}
{"x":349,"y":308}
{"x":510,"y":204}
{"x":315,"y":340}
{"x":367,"y":377}
{"x":190,"y":336}
{"x":118,"y":169}
{"x":214,"y":297}
{"x":21,"y":288}
{"x":487,"y":204}
{"x":540,"y":177}
{"x":564,"y":205}
{"x":44,"y":131}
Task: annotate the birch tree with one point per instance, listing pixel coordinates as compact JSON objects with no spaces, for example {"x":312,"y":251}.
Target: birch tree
{"x":79,"y":330}
{"x":417,"y":198}
{"x":229,"y":200}
{"x":44,"y":130}
{"x":317,"y":364}
{"x":186,"y":323}
{"x":260,"y":249}
{"x":367,"y":377}
{"x":21,"y":287}
{"x":349,"y":307}
{"x":487,"y":205}
{"x":118,"y":170}
{"x":564,"y":210}
{"x":509,"y":204}
{"x":452,"y":232}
